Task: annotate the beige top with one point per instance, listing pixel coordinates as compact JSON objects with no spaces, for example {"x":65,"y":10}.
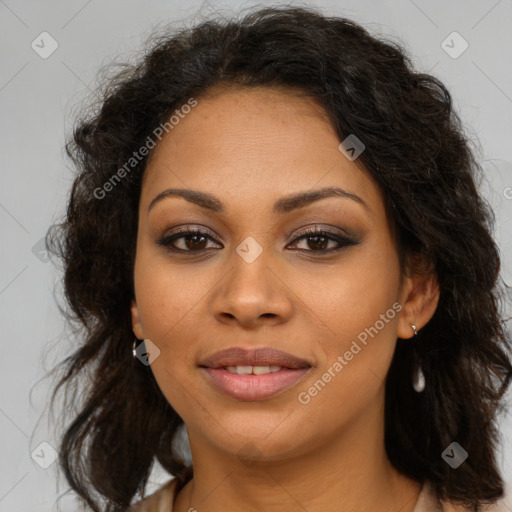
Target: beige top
{"x":163,"y":499}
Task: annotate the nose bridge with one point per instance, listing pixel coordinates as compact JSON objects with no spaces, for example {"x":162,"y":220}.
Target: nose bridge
{"x":251,"y":288}
{"x":249,"y":280}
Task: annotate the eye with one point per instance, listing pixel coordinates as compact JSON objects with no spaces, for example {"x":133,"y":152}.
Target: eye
{"x":319,"y":239}
{"x":196,"y":240}
{"x":192,"y":240}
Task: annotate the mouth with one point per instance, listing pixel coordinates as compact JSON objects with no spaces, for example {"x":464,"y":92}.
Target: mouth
{"x":254,"y":387}
{"x":263,"y":357}
{"x":253,"y":375}
{"x":253,"y":370}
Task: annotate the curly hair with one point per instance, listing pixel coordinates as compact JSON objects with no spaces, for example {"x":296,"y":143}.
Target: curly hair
{"x":417,"y":152}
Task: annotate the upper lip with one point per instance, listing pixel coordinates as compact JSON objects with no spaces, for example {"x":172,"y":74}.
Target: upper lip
{"x":265,"y":356}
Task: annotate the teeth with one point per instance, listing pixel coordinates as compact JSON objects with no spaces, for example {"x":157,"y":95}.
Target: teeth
{"x":256,"y":370}
{"x":244,"y":370}
{"x":260,"y":370}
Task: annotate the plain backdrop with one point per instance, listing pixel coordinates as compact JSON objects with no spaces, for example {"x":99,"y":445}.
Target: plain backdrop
{"x":38,"y":100}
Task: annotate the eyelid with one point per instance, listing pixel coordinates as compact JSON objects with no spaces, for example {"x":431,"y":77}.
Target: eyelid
{"x":182,"y":231}
{"x":334,"y":230}
{"x":342,"y":239}
{"x":338,"y":235}
{"x":185,"y":228}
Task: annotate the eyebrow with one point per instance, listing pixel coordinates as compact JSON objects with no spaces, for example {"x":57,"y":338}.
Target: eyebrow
{"x":281,"y":206}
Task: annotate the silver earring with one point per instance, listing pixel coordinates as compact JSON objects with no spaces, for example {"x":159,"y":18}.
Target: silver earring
{"x":418,"y":378}
{"x":134,"y":351}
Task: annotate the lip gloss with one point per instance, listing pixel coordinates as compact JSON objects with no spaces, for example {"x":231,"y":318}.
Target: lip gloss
{"x":254,"y":387}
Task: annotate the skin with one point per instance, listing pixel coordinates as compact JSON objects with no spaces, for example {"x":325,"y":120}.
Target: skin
{"x":251,"y":147}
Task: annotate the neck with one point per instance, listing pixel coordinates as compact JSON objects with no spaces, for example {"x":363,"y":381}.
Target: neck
{"x":348,"y":472}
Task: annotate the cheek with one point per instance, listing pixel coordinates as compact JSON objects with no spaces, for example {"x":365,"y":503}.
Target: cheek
{"x":165,"y":306}
{"x":360,"y":306}
{"x":169,"y":304}
{"x":354,"y":295}
{"x":164,"y":296}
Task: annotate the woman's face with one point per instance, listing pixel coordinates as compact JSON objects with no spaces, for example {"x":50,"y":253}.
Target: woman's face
{"x":255,"y":160}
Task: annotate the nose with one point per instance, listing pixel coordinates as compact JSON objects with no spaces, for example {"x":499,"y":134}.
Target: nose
{"x":252,"y":293}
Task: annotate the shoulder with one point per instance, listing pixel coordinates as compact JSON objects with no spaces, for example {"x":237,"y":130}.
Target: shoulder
{"x":499,"y":506}
{"x":428,"y":502}
{"x":160,"y":501}
{"x":503,"y":504}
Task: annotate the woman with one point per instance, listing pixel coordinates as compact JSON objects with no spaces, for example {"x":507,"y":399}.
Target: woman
{"x":275,"y":239}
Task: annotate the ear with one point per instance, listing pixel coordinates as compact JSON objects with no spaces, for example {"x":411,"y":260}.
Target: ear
{"x":419,"y":296}
{"x":136,"y":323}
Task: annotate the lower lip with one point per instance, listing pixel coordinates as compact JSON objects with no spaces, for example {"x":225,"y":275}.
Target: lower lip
{"x":255,"y":387}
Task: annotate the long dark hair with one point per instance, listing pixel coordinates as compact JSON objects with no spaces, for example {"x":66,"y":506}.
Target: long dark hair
{"x":417,"y":152}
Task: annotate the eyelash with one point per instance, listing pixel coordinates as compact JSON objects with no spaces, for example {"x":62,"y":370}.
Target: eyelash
{"x":343,"y":241}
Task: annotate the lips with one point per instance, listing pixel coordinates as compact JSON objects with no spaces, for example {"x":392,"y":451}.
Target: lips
{"x":254,"y":388}
{"x":253,"y":375}
{"x":265,"y":356}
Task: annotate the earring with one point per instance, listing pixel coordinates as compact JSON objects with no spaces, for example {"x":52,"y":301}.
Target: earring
{"x":418,"y":378}
{"x":134,"y":351}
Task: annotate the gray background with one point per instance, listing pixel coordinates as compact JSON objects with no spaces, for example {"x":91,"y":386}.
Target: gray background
{"x":38,"y":100}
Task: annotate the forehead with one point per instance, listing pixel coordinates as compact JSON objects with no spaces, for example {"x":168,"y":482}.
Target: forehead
{"x":232,"y":120}
{"x":255,"y":143}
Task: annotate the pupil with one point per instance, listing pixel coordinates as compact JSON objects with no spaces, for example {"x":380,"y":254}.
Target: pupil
{"x":193,"y":244}
{"x":316,"y":238}
{"x":315,"y":242}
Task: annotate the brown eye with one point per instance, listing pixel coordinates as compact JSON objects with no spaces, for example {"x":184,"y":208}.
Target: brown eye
{"x":318,"y":240}
{"x":196,"y":240}
{"x":192,"y":240}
